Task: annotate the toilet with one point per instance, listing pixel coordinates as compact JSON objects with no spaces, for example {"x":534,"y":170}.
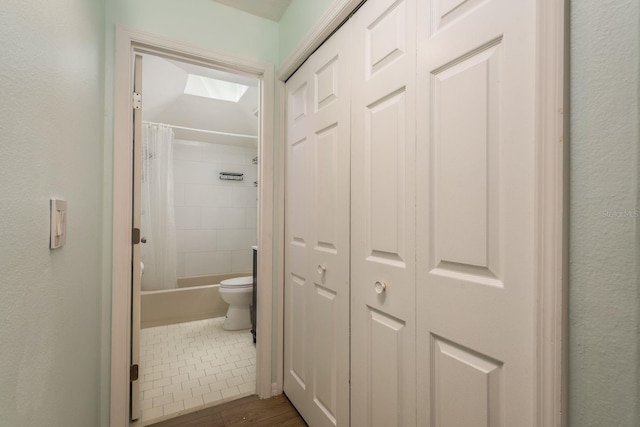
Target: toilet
{"x":237,"y":292}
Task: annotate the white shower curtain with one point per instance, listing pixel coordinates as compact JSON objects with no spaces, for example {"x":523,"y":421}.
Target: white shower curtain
{"x":158,"y":220}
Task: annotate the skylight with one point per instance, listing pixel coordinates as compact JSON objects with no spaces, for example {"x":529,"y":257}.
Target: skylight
{"x":214,"y":88}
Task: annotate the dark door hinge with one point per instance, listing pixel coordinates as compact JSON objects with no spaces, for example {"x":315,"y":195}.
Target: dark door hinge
{"x":133,"y":373}
{"x":135,"y":236}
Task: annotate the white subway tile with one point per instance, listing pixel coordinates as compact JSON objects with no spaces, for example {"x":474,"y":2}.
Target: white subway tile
{"x":201,"y":263}
{"x":171,"y":408}
{"x":187,"y":218}
{"x":178,"y":194}
{"x":219,"y":153}
{"x":250,"y":153}
{"x":195,"y":241}
{"x":252,"y":218}
{"x":223,"y":218}
{"x":251,"y":175}
{"x":189,"y":172}
{"x":241,"y":261}
{"x":186,"y":150}
{"x":206,"y":195}
{"x":232,"y":240}
{"x":243,"y":197}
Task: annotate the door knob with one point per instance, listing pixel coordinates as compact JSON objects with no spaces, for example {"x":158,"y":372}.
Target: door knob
{"x":143,"y":240}
{"x":322,"y":268}
{"x":380,"y":287}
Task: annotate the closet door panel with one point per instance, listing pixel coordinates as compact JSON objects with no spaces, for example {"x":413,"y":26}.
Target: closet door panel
{"x":383,"y":215}
{"x":298,"y":240}
{"x":323,"y":400}
{"x":476,"y":216}
{"x":384,"y":146}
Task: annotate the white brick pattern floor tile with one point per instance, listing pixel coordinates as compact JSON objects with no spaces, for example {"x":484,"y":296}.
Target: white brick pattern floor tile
{"x":193,"y":364}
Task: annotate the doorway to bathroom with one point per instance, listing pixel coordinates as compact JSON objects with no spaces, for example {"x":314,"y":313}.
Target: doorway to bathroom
{"x":198,"y":226}
{"x":174,"y":349}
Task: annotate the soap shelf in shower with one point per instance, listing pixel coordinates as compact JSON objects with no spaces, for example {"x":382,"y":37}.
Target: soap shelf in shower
{"x":231,"y":176}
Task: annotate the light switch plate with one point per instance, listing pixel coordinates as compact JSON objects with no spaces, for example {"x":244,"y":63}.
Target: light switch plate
{"x":58,"y":223}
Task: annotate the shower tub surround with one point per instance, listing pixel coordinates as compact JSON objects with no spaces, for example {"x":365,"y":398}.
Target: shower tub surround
{"x":216,"y":220}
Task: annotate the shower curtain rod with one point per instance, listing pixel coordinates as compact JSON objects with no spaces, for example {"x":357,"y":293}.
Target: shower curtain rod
{"x":240,"y":135}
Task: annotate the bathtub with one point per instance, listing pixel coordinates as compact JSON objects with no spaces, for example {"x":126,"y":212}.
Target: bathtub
{"x":195,"y":298}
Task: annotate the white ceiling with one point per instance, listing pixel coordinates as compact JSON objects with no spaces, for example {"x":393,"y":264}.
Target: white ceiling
{"x":270,"y":9}
{"x":164,"y":101}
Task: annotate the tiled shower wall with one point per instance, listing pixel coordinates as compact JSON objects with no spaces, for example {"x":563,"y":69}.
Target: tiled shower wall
{"x":216,"y":221}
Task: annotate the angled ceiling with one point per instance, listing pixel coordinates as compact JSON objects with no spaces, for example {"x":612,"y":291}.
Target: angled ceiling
{"x":164,"y":101}
{"x":269,"y":9}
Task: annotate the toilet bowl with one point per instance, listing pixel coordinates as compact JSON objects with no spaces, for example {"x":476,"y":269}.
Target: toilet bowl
{"x":237,"y":292}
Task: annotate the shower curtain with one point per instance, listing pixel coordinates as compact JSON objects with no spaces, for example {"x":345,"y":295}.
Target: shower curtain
{"x":158,"y":220}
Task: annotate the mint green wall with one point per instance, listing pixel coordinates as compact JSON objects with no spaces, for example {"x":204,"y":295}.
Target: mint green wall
{"x":51,"y":121}
{"x":201,"y":22}
{"x":297,"y":20}
{"x":55,"y":305}
{"x":604,"y":303}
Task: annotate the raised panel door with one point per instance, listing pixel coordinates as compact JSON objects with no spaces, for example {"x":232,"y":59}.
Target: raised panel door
{"x":316,"y":372}
{"x":475,"y":206}
{"x":383,"y":215}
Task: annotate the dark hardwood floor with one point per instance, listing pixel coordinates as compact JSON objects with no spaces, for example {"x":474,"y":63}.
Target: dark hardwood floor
{"x":248,"y":411}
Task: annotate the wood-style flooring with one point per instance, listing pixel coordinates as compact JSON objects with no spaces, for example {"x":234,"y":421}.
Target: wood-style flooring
{"x":248,"y":411}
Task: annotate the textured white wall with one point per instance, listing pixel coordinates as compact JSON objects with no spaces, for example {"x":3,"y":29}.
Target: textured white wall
{"x":604,"y":246}
{"x":51,"y":121}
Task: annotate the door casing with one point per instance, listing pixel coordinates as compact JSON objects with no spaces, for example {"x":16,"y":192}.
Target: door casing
{"x":129,"y":42}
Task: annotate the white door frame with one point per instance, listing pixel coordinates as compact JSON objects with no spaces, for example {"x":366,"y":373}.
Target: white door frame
{"x":129,"y":41}
{"x":551,"y":197}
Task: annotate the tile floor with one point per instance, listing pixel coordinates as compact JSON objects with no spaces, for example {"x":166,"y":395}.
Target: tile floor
{"x":193,"y":364}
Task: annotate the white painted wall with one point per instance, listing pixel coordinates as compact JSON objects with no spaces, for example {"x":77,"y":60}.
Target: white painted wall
{"x":604,"y":279}
{"x":216,"y":221}
{"x":51,"y":121}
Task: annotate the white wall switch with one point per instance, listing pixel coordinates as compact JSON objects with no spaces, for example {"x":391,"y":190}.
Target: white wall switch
{"x":58,"y":223}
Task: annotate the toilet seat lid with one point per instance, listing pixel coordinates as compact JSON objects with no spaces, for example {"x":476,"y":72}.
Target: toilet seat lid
{"x":237,"y":282}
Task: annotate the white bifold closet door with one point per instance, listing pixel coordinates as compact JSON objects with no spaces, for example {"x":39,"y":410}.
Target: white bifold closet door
{"x":316,"y":353}
{"x":411,"y":218}
{"x":476,"y":212}
{"x":383,"y":326}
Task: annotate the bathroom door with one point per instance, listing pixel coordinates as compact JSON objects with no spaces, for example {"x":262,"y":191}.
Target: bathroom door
{"x":476,"y":213}
{"x":316,"y":338}
{"x":135,"y":220}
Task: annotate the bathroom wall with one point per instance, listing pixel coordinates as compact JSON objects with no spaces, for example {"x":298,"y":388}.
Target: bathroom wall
{"x":604,"y":277}
{"x":51,"y":121}
{"x":216,"y":221}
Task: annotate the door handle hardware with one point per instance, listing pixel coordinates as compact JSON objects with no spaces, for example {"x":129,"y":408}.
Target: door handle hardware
{"x":322,"y":269}
{"x":380,"y":287}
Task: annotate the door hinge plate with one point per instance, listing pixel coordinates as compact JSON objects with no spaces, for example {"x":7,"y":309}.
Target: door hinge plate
{"x":133,"y":373}
{"x":135,"y":236}
{"x":136,"y":100}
